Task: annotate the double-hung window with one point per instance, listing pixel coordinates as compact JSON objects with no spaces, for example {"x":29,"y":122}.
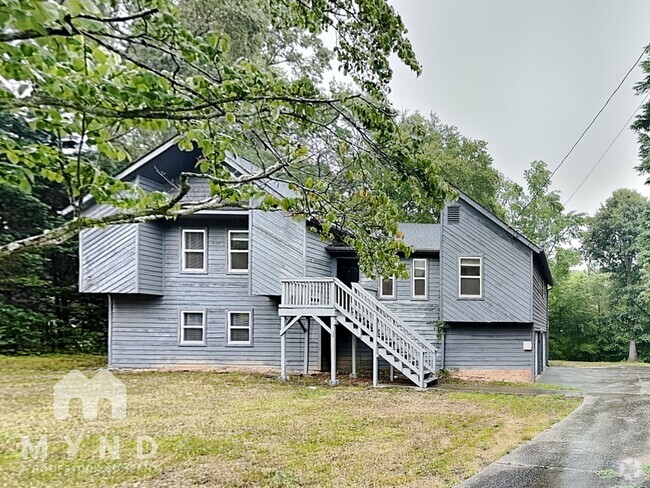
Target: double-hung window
{"x":470,"y":277}
{"x":238,"y":250}
{"x":387,"y":287}
{"x":239,"y":328}
{"x":192,"y":328}
{"x":419,"y":278}
{"x":194,"y":250}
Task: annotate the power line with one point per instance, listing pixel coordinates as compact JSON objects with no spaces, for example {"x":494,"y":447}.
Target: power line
{"x":593,"y":168}
{"x":583,"y":134}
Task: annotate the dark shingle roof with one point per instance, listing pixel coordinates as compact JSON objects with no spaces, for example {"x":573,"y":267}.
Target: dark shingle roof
{"x":421,"y":237}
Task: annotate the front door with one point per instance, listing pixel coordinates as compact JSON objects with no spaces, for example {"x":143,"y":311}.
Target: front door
{"x":347,"y":270}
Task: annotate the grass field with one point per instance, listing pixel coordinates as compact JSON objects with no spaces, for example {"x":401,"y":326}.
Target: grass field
{"x":236,"y":429}
{"x":596,"y":364}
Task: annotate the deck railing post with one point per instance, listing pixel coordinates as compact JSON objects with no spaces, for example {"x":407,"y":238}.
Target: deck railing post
{"x":354,"y":357}
{"x":333,"y":381}
{"x":422,"y":385}
{"x":309,"y":295}
{"x":283,"y":350}
{"x":306,"y":367}
{"x":375,"y":352}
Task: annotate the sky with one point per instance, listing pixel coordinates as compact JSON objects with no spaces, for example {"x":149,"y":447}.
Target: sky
{"x":527,"y":77}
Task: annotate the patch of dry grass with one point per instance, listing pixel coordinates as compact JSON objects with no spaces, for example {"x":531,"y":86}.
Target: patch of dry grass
{"x":450,"y":380}
{"x":236,"y":429}
{"x":595,"y":364}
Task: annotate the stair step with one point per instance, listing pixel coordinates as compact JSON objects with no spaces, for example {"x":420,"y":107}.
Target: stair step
{"x":432,"y":379}
{"x":358,"y":327}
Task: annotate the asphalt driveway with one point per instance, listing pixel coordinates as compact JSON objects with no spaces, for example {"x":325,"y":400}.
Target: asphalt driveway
{"x":604,"y":443}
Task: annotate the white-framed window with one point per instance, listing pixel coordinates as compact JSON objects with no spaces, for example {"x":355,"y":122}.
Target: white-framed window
{"x":419,"y":278}
{"x":240,"y":328}
{"x":387,"y":287}
{"x":193,"y":250}
{"x":238,"y":251}
{"x":192,"y":330}
{"x":470,"y":277}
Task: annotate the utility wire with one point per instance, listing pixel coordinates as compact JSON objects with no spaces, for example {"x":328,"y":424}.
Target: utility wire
{"x":583,"y":134}
{"x":598,"y":162}
{"x":593,"y":168}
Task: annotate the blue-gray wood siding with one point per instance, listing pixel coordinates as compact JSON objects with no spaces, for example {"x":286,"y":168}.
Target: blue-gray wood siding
{"x":150,"y":258}
{"x":488,"y":346}
{"x":199,"y":189}
{"x":540,"y":300}
{"x":507,"y":271}
{"x":121,"y":258}
{"x":277,"y":244}
{"x":318,"y":263}
{"x":419,"y":314}
{"x":145,"y":330}
{"x":108,"y":259}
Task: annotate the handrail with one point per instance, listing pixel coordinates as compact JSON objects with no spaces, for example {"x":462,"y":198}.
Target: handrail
{"x":405,"y":333}
{"x":371,"y":306}
{"x":366,"y":312}
{"x":307,"y":292}
{"x":357,"y":288}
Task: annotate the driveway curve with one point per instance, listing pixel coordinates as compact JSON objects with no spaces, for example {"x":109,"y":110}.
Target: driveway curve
{"x":604,"y":443}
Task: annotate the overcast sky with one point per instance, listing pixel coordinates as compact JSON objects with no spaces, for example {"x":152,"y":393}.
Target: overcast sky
{"x":528,"y":77}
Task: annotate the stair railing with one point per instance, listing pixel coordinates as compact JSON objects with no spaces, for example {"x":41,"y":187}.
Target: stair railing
{"x":406,"y":347}
{"x":430,"y":351}
{"x":372,"y":317}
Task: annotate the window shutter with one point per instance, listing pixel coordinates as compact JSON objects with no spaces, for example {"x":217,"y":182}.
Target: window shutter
{"x":453,"y":214}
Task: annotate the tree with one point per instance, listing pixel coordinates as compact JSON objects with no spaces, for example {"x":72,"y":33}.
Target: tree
{"x":461,"y":161}
{"x":82,"y":70}
{"x":537,"y":211}
{"x":40,"y":308}
{"x":582,"y":319}
{"x":642,"y":122}
{"x":612,"y":242}
{"x":293,"y":52}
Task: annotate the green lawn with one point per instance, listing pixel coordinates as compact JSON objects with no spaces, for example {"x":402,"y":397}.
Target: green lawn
{"x":235,"y":429}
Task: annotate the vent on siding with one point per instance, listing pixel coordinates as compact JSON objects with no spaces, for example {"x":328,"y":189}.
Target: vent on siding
{"x":453,"y":214}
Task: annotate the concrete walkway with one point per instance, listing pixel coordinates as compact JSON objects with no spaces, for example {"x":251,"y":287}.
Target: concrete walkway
{"x":604,"y":443}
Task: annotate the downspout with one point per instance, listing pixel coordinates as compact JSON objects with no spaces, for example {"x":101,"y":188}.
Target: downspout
{"x":441,"y":288}
{"x":534,"y":351}
{"x":443,"y":340}
{"x":110,"y":327}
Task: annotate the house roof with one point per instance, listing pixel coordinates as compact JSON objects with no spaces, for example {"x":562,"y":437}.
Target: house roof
{"x":421,"y":237}
{"x":168,"y":160}
{"x":245,"y":167}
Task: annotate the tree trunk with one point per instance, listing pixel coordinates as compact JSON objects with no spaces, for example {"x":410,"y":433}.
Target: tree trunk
{"x":632,"y":356}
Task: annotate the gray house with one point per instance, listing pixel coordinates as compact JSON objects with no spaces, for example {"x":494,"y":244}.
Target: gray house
{"x":258,"y":289}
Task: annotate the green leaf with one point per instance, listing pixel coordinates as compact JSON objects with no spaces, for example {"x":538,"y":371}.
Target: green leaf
{"x":99,"y":55}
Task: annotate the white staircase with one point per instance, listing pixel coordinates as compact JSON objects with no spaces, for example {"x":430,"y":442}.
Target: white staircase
{"x":368,"y":319}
